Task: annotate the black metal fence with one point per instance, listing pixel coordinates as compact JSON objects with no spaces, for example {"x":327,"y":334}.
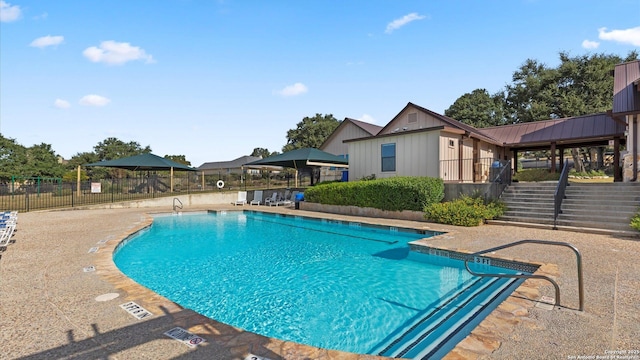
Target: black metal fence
{"x":40,"y":193}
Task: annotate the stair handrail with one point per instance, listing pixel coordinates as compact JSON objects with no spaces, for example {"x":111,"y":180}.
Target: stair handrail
{"x":177,"y":206}
{"x":502,"y":178}
{"x":559,"y":194}
{"x":533,"y":276}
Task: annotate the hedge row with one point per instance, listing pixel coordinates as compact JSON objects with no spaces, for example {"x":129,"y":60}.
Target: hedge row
{"x":393,"y":194}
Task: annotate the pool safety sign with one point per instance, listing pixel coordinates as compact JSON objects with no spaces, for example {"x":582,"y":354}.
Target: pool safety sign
{"x":136,"y":310}
{"x":185,"y":337}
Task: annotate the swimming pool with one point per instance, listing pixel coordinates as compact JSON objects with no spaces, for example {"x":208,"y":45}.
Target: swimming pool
{"x":329,"y":284}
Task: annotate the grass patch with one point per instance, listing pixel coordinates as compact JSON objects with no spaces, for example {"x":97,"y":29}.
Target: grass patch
{"x":536,"y":175}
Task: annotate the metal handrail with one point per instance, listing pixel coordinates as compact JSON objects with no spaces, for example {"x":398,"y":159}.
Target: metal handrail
{"x":533,"y":276}
{"x":177,"y":206}
{"x":559,"y":194}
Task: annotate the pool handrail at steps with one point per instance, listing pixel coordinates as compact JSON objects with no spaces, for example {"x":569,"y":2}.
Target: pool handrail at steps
{"x":177,"y":206}
{"x":475,"y":255}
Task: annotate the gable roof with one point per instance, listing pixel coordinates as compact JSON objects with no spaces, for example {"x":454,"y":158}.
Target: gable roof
{"x":573,"y":130}
{"x":626,"y":88}
{"x":233,"y":164}
{"x":370,"y":129}
{"x":468,"y":129}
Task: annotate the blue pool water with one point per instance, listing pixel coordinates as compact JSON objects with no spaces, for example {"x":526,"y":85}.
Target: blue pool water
{"x":334,"y":285}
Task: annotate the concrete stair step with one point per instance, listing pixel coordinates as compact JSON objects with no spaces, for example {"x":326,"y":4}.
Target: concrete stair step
{"x":524,"y":219}
{"x":595,"y":225}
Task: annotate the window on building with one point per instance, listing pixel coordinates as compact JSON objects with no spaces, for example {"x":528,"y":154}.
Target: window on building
{"x":413,"y":118}
{"x":389,"y":157}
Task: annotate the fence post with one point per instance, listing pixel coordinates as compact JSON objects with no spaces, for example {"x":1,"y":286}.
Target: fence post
{"x":26,"y":200}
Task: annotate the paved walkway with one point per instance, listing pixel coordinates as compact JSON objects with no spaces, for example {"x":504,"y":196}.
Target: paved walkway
{"x":49,"y":306}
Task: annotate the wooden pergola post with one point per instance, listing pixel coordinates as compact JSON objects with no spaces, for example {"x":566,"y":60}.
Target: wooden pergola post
{"x":553,"y":157}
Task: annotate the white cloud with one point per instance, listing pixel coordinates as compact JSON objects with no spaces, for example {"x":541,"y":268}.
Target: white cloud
{"x":367,"y":118}
{"x":398,"y":23}
{"x":94,"y":100}
{"x":293,"y":90}
{"x":9,"y":13}
{"x":588,"y":44}
{"x":627,"y":36}
{"x":61,"y":104}
{"x":45,"y":41}
{"x":116,"y":53}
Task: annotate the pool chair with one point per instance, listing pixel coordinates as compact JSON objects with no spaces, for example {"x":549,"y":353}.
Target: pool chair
{"x":257,"y":198}
{"x":6,"y":232}
{"x":242,"y":198}
{"x":273,"y":200}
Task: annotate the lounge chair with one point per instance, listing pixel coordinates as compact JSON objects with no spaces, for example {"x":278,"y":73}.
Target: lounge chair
{"x":242,"y":198}
{"x":273,"y":200}
{"x":257,"y":198}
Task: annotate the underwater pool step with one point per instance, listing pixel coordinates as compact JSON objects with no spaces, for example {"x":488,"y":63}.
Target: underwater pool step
{"x":427,"y":335}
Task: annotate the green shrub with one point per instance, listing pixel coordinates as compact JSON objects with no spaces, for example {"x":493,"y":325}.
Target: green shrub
{"x":393,"y":194}
{"x":464,"y":211}
{"x":635,"y":221}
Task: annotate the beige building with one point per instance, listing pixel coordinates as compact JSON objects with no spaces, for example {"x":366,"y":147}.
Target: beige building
{"x":420,"y":142}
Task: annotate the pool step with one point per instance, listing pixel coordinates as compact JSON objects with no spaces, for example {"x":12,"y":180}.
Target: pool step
{"x":433,"y":333}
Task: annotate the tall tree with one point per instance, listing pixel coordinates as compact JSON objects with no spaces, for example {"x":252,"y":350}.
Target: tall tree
{"x":42,"y":161}
{"x":13,"y":158}
{"x":113,"y":148}
{"x":579,"y":85}
{"x":311,"y":132}
{"x":478,"y":109}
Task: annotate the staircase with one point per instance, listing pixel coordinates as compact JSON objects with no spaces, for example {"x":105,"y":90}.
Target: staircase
{"x":600,"y":206}
{"x":605,"y":207}
{"x":529,"y":202}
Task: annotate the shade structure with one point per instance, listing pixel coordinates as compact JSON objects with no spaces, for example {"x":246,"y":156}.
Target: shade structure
{"x":143,"y":162}
{"x":301,"y":159}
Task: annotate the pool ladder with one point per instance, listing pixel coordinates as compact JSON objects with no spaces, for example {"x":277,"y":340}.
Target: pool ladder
{"x":177,"y":204}
{"x":474,"y":257}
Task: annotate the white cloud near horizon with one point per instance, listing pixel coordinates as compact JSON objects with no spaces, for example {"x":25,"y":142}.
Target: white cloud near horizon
{"x":61,"y":104}
{"x":116,"y":53}
{"x":45,"y":41}
{"x":588,"y":44}
{"x":626,"y":36}
{"x":398,"y":23}
{"x":94,"y":100}
{"x":293,"y":90}
{"x":9,"y":13}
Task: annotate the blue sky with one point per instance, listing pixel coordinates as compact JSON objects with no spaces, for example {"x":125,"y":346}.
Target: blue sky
{"x":214,"y":79}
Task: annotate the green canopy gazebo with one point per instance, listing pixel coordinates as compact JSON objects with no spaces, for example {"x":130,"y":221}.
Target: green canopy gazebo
{"x":143,"y":162}
{"x":302,"y":159}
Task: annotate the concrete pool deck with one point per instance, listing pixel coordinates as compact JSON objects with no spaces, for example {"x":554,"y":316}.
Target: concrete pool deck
{"x":49,"y":306}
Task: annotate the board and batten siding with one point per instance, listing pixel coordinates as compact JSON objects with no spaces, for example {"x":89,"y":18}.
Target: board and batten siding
{"x":336,"y":146}
{"x":418,"y":120}
{"x":416,"y":155}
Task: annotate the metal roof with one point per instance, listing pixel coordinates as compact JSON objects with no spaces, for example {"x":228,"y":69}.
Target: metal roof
{"x":574,"y":130}
{"x":370,"y":128}
{"x":626,"y":88}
